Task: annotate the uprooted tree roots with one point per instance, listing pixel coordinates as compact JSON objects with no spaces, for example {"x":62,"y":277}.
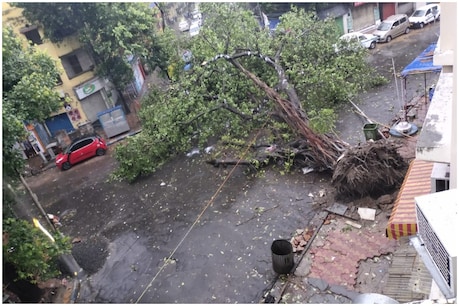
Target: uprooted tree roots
{"x":372,"y":168}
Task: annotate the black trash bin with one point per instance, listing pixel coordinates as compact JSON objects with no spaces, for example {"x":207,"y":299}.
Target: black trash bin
{"x":282,"y":255}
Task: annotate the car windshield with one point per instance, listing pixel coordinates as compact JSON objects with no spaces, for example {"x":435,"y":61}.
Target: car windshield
{"x":419,"y":13}
{"x":384,"y":26}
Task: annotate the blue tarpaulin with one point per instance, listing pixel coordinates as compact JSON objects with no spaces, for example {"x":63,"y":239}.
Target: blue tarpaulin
{"x":423,"y":63}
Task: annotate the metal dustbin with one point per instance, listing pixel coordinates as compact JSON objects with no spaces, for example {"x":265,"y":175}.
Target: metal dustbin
{"x":282,"y":256}
{"x":371,"y":131}
{"x":373,"y":298}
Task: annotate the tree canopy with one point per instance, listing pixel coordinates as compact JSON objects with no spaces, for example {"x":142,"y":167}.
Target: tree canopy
{"x":33,"y":254}
{"x":244,"y":78}
{"x":112,"y":31}
{"x":29,"y":78}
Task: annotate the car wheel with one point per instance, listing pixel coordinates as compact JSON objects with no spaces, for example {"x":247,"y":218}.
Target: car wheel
{"x":100,"y":152}
{"x":389,"y":38}
{"x":407,"y":30}
{"x":66,"y":166}
{"x":373,"y":45}
{"x":421,"y":25}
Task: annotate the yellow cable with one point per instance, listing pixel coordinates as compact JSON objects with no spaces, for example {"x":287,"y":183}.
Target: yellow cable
{"x":199,"y":216}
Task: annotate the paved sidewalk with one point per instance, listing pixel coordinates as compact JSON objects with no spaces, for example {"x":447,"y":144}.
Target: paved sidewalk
{"x":330,"y":269}
{"x":336,"y":254}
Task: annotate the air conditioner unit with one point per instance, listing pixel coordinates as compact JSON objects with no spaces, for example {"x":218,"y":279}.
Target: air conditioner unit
{"x":440,"y":177}
{"x":436,"y":241}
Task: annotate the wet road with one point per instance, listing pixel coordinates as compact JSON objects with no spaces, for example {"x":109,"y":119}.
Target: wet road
{"x":187,"y":234}
{"x":384,"y":103}
{"x":192,"y":233}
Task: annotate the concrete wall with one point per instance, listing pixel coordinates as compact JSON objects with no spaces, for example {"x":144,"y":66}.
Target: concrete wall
{"x":446,"y":55}
{"x":363,"y":16}
{"x":406,"y":8}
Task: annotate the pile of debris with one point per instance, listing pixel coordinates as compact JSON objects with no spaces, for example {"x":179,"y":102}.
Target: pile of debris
{"x":301,"y":239}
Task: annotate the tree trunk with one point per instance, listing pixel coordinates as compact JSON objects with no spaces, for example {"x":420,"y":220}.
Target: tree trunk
{"x":325,"y":149}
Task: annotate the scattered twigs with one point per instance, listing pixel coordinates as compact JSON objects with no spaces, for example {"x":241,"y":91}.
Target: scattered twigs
{"x":258,"y":213}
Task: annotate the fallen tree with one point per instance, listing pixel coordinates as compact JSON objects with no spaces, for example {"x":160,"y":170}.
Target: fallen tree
{"x":372,"y":168}
{"x":245,"y":80}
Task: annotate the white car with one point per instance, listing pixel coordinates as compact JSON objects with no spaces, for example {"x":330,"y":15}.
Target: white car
{"x":196,"y":16}
{"x":425,"y":15}
{"x":367,"y":41}
{"x":184,"y":26}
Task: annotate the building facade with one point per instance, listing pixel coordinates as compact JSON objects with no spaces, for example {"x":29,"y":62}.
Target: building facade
{"x":83,"y":94}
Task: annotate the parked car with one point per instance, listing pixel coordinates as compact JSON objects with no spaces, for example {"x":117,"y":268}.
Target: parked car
{"x":196,"y":16}
{"x":194,"y":28}
{"x":365,"y":40}
{"x":392,"y":27}
{"x":184,"y":25}
{"x":79,"y":150}
{"x":425,"y":15}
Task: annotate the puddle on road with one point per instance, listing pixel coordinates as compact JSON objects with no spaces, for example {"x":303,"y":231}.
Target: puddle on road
{"x":128,"y":264}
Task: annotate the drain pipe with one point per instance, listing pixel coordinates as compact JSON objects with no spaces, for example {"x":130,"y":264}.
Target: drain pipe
{"x":75,"y":291}
{"x":68,"y":261}
{"x":78,"y":274}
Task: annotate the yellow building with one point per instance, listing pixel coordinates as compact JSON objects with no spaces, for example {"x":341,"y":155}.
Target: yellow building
{"x":87,"y":94}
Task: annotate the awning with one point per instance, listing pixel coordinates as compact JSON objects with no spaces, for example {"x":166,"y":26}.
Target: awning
{"x":402,"y":221}
{"x":423,"y":63}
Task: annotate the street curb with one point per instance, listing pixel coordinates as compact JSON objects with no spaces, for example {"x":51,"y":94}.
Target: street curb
{"x":118,"y":139}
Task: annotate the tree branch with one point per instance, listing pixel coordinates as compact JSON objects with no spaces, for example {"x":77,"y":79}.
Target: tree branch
{"x":223,"y":105}
{"x":284,"y":85}
{"x":235,"y":111}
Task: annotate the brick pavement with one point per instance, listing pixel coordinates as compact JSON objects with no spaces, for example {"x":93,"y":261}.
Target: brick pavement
{"x":336,"y":257}
{"x":329,"y":269}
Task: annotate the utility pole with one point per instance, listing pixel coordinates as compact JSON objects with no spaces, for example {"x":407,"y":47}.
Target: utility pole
{"x":37,"y":203}
{"x":67,"y":259}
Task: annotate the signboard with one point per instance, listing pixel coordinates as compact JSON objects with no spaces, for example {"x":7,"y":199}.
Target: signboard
{"x":88,"y":88}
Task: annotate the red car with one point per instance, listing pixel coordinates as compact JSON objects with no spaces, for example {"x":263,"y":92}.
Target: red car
{"x":79,"y":150}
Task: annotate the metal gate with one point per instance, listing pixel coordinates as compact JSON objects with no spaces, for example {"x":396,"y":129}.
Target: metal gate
{"x":113,"y":121}
{"x":92,"y":105}
{"x":59,"y":122}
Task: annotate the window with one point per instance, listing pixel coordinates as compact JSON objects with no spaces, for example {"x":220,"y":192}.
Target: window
{"x":81,"y":144}
{"x":76,"y":63}
{"x":441,"y":185}
{"x":32,"y":35}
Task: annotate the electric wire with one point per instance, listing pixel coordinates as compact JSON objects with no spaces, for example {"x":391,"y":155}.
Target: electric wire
{"x":209,"y":202}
